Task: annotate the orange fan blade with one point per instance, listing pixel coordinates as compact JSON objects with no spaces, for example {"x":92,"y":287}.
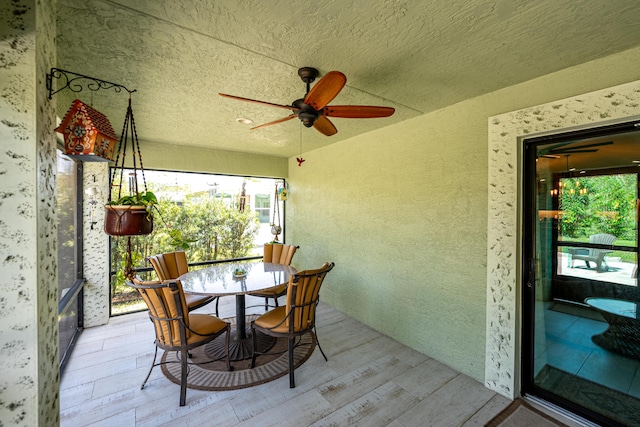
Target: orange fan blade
{"x":325,"y":90}
{"x":239,"y":98}
{"x":275,"y":122}
{"x":324,"y":126}
{"x":357,"y":111}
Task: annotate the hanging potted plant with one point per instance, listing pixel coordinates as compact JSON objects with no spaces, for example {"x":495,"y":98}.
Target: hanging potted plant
{"x":133,"y":216}
{"x":130,"y":215}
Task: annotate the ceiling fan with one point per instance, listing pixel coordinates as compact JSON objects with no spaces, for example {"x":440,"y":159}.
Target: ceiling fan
{"x":312,"y":110}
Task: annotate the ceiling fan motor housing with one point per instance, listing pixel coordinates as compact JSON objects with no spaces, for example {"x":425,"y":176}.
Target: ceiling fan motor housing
{"x":307,"y":114}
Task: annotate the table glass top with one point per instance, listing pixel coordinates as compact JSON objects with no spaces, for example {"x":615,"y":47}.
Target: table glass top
{"x":219,"y":279}
{"x":614,"y":306}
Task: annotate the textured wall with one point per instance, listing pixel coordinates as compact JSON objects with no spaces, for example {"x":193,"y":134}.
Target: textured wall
{"x":505,"y":170}
{"x":28,"y":301}
{"x":174,"y":157}
{"x":96,"y":246}
{"x":403,"y":213}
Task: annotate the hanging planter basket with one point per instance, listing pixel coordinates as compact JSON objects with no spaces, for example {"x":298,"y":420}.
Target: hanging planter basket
{"x":126,"y":220}
{"x":129,"y":215}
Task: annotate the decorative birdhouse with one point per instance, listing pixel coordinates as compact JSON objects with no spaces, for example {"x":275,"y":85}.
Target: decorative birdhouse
{"x":87,"y":132}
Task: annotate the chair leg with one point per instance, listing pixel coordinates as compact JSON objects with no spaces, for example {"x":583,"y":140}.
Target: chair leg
{"x":153,"y":363}
{"x":292,"y":382}
{"x":183,"y":378}
{"x":315,"y":332}
{"x":266,"y":304}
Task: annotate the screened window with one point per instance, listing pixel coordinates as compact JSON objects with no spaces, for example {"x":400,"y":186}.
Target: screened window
{"x":218,"y":217}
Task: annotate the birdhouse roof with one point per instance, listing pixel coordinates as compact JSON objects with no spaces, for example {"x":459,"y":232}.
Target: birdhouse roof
{"x":99,"y":121}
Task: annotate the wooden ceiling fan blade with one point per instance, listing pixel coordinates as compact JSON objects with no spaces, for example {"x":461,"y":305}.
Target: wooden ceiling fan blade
{"x":595,"y":144}
{"x":567,"y":152}
{"x":239,"y":98}
{"x":327,"y":88}
{"x":275,"y":122}
{"x":567,"y":145}
{"x":357,"y":111}
{"x":324,"y":126}
{"x":580,"y":147}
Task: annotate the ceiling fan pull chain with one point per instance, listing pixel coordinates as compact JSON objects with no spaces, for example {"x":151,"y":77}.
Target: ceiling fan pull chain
{"x":300,"y":159}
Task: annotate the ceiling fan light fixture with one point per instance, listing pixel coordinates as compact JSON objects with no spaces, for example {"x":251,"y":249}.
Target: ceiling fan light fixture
{"x":306,"y":113}
{"x":307,"y":119}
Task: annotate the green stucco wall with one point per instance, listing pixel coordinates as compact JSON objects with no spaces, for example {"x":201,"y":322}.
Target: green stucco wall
{"x":402,"y":211}
{"x":157,"y":155}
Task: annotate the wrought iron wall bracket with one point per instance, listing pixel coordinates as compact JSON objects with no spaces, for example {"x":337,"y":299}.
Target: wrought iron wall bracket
{"x":73,"y":80}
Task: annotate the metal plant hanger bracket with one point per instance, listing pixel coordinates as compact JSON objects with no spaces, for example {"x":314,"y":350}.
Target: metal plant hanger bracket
{"x":73,"y":81}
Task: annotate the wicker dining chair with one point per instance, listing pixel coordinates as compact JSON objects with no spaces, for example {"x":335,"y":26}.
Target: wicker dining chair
{"x":276,"y":253}
{"x":176,"y":329}
{"x":295,"y":319}
{"x":172,"y":265}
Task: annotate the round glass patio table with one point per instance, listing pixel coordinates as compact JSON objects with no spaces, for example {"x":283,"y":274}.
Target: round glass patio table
{"x":219,"y":280}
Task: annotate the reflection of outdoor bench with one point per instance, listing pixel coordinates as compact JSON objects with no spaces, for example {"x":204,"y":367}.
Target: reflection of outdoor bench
{"x":590,"y":254}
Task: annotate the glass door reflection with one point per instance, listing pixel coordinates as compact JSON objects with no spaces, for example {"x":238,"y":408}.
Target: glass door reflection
{"x":581,"y":247}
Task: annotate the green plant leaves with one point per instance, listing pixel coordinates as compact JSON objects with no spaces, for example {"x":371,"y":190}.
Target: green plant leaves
{"x":146,"y":198}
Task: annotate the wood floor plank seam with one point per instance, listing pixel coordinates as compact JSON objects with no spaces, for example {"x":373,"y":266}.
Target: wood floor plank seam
{"x":369,"y":379}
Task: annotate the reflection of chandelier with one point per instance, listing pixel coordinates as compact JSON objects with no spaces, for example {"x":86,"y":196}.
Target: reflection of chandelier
{"x":564,"y":187}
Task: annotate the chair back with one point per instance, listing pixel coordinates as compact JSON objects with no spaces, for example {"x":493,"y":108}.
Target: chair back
{"x":303,"y":294}
{"x":279,"y":253}
{"x":167,"y":310}
{"x":603,"y":239}
{"x":170,"y":265}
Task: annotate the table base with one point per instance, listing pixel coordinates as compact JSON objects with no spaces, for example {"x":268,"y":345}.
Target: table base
{"x":621,"y":337}
{"x":239,"y":348}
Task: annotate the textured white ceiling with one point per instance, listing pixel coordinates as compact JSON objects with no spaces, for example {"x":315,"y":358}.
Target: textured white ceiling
{"x":415,"y":56}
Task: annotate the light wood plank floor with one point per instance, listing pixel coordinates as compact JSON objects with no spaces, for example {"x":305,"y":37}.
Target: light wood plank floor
{"x":369,"y":380}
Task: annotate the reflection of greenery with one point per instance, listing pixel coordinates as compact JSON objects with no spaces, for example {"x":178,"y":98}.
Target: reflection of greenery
{"x":601,"y":204}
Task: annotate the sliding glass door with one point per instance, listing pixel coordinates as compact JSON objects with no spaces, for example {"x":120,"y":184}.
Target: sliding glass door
{"x":581,"y":314}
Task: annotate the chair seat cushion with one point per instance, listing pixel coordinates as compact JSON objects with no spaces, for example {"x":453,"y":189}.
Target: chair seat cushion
{"x":270,"y":319}
{"x":197,"y":300}
{"x":273,"y":292}
{"x":204,"y":324}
